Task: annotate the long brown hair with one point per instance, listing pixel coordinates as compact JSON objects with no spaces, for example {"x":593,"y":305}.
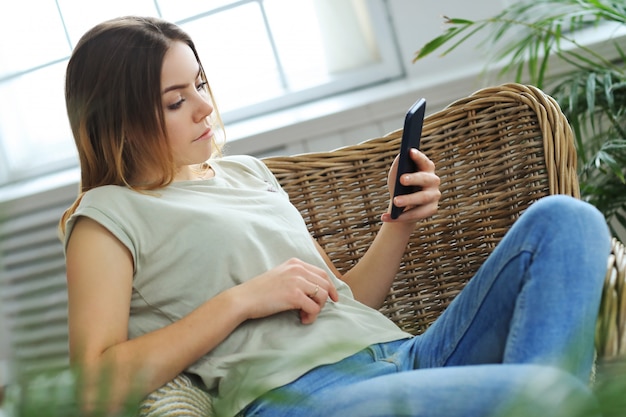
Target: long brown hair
{"x":113,"y":100}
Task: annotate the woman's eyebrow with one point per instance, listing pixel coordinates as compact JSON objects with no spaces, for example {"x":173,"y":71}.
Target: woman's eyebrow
{"x":180,"y":86}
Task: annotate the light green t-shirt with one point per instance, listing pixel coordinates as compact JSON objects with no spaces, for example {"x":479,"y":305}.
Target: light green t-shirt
{"x":194,"y":239}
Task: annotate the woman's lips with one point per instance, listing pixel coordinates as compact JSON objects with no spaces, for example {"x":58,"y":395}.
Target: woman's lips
{"x":205,"y":135}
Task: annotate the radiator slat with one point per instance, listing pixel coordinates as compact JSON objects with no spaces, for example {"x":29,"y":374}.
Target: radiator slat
{"x":33,"y":293}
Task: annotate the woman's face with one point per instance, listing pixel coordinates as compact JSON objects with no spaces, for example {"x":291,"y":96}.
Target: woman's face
{"x":186,"y":106}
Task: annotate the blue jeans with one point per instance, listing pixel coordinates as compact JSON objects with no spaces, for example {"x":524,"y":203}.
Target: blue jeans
{"x":522,"y":329}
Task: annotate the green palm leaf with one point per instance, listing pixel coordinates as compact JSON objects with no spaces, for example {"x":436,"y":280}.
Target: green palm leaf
{"x":524,"y":39}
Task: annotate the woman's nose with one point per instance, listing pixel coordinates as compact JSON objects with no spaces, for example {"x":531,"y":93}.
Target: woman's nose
{"x":204,"y":108}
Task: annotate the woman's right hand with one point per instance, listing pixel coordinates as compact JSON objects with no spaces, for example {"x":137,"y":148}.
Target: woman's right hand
{"x":292,"y":285}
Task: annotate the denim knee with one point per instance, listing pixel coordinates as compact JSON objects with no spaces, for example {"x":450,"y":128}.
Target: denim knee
{"x":572,"y":217}
{"x":571,"y":233}
{"x":566,"y":205}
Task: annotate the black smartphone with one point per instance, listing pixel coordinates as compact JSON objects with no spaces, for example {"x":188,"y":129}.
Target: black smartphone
{"x":411,"y":136}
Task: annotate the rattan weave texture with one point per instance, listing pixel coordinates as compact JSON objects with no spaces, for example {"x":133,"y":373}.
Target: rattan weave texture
{"x":496,"y":152}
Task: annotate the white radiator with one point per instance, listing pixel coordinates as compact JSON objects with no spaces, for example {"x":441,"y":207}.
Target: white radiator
{"x":33,"y":294}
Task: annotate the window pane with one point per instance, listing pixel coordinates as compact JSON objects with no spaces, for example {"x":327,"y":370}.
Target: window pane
{"x":318,"y":39}
{"x":237,"y":56}
{"x":80,"y":15}
{"x":174,"y":10}
{"x":33,"y":122}
{"x":296,"y":30}
{"x":31,"y":34}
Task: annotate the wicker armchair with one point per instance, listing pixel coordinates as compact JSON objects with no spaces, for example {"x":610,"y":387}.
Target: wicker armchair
{"x":496,"y":151}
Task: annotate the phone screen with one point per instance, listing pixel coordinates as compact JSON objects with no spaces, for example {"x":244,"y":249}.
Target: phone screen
{"x":411,"y":136}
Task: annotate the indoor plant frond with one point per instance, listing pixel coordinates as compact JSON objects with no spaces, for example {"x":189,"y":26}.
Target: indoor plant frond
{"x":523,"y":36}
{"x":527,"y":38}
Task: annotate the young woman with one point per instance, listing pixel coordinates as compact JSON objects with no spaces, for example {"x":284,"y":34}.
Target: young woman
{"x":179,"y":259}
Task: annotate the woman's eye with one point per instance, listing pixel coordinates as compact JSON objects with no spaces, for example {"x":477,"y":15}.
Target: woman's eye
{"x":176,"y":105}
{"x":202,"y":86}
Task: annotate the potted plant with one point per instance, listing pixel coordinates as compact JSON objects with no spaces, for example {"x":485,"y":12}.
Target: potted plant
{"x":527,"y":39}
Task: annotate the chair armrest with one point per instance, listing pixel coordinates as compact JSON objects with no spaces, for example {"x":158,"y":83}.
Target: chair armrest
{"x":178,"y":398}
{"x":611,"y":325}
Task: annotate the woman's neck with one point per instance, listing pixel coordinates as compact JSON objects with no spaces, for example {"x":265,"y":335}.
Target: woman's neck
{"x":194,"y":172}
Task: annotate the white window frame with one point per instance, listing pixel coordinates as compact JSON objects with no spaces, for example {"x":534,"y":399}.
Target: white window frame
{"x":389,"y":68}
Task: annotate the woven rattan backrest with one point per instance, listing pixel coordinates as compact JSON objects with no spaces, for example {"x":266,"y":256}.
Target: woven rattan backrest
{"x":496,"y":152}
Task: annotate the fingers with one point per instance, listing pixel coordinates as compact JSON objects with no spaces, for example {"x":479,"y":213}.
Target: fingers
{"x":423,"y":203}
{"x":319,"y":288}
{"x":311,"y":287}
{"x":321,"y":282}
{"x":292,"y":285}
{"x":311,"y":308}
{"x":424,"y":166}
{"x":423,"y":162}
{"x":428,"y":194}
{"x":315,"y":291}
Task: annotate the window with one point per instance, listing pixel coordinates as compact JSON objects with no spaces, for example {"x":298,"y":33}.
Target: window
{"x":259,"y":55}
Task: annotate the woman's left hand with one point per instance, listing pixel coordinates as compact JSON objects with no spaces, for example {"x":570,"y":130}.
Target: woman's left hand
{"x":420,"y":204}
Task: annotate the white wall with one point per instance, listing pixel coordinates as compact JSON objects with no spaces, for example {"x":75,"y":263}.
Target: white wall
{"x":418,"y":21}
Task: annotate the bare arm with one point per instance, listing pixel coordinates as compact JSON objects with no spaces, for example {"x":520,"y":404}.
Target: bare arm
{"x":99,"y":275}
{"x":371,"y":278}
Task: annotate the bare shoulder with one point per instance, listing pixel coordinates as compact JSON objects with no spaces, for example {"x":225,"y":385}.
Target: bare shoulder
{"x":99,"y":283}
{"x":92,"y":240}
